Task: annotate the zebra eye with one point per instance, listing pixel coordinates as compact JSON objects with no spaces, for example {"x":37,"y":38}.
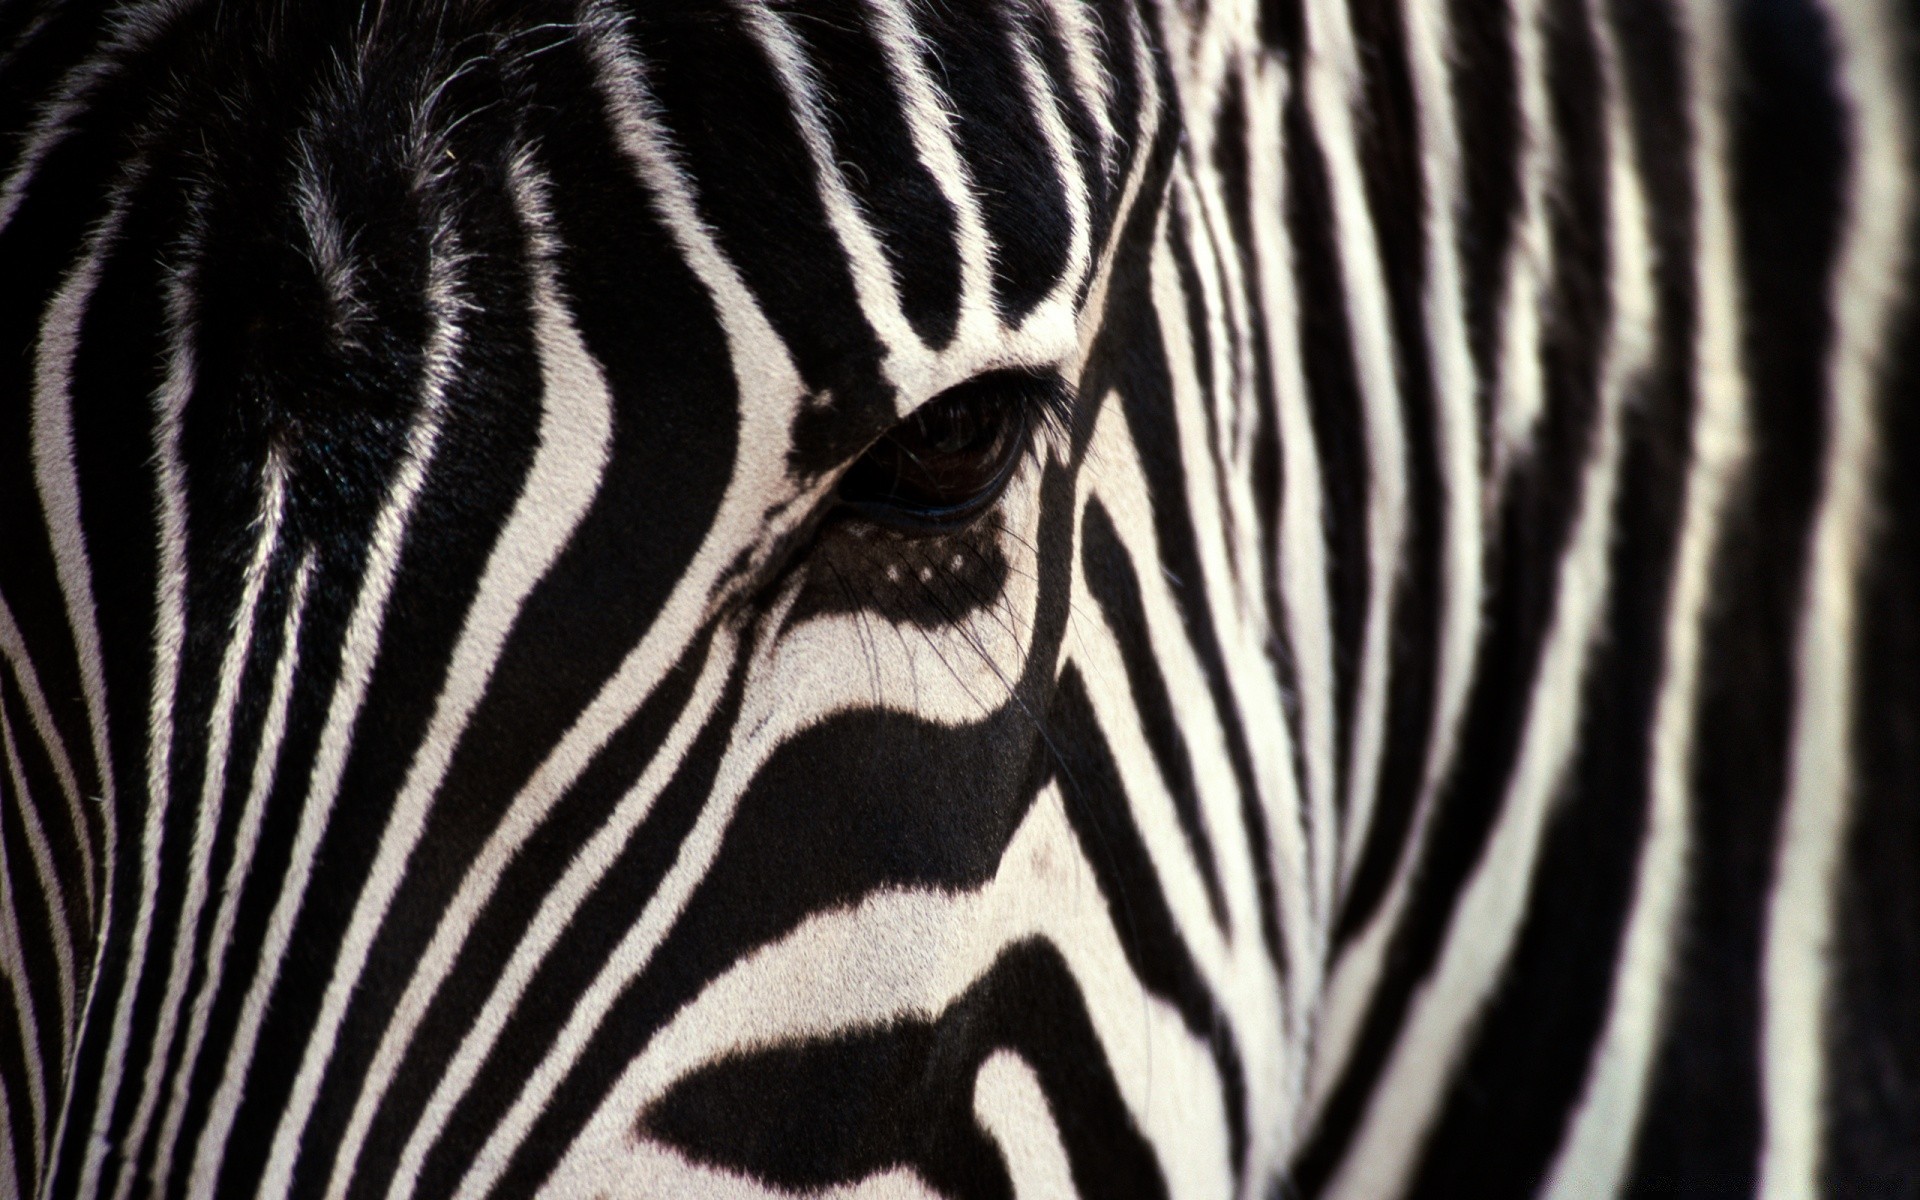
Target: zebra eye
{"x":949,"y":461}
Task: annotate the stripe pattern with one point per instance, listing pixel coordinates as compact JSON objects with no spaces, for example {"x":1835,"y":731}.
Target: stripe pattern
{"x":1431,"y":713}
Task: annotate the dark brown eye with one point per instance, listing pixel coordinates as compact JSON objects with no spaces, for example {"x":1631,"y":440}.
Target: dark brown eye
{"x":951,"y":459}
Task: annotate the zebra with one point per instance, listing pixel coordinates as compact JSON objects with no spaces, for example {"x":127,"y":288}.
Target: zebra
{"x":887,"y":598}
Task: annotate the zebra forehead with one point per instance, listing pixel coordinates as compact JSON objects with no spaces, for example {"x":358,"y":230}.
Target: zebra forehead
{"x":887,"y":199}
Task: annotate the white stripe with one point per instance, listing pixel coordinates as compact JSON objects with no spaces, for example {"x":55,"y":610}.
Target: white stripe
{"x":567,"y":467}
{"x":13,"y":649}
{"x":1094,"y":309}
{"x":1300,"y":532}
{"x":60,"y":917}
{"x":1222,"y":505}
{"x":1238,"y":972}
{"x":908,"y":363}
{"x":1462,"y":522}
{"x":266,"y":761}
{"x":1202,"y":725}
{"x":1486,"y":921}
{"x":1145,"y":794}
{"x":169,"y":641}
{"x":1011,"y":1108}
{"x":56,"y":476}
{"x":930,"y":122}
{"x":1086,"y":63}
{"x":1244,"y":615}
{"x":1250,"y":986}
{"x":770,"y":391}
{"x":9,"y":1168}
{"x":1235,"y":401}
{"x":1594,"y":1155}
{"x":1056,"y":308}
{"x":1519,"y":393}
{"x":1332,"y":72}
{"x":629,"y":958}
{"x":128,"y":29}
{"x":667,"y":1173}
{"x":1199,"y":55}
{"x":360,"y":647}
{"x":558,"y":908}
{"x":1045,"y":337}
{"x":1867,"y":288}
{"x":213,"y":789}
{"x":13,"y":968}
{"x":795,"y":680}
{"x":575,"y":436}
{"x":901,"y":953}
{"x":1195,"y":213}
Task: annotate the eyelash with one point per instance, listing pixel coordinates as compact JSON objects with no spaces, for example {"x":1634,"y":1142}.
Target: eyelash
{"x":950,"y":461}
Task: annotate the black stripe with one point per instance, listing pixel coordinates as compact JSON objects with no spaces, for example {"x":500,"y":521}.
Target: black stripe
{"x":570,"y":968}
{"x":1283,"y":26}
{"x":1098,"y":809}
{"x":50,"y":804}
{"x":848,"y":1107}
{"x":1396,"y":200}
{"x":1534,"y":528}
{"x":1872,"y":1139}
{"x":249,"y":728}
{"x":1788,"y":158}
{"x":912,"y":804}
{"x":1129,"y":358}
{"x":329,"y":597}
{"x":862,"y":108}
{"x":1183,"y":226}
{"x":1111,"y":22}
{"x":1017,"y":183}
{"x":1333,"y":402}
{"x":495,"y":935}
{"x":27,"y":1162}
{"x":1110,"y":576}
{"x":1231,"y":166}
{"x":1231,"y":162}
{"x":1516,"y":1085}
{"x":340,"y":404}
{"x":66,"y":196}
{"x":1486,"y":98}
{"x":42,"y":45}
{"x":343,"y":432}
{"x":1102,"y":179}
{"x":31,"y":915}
{"x":486,"y":445}
{"x":717,"y":94}
{"x":116,"y":372}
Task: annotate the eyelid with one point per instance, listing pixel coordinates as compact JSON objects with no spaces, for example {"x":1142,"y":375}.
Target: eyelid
{"x":1044,"y":391}
{"x":875,"y":488}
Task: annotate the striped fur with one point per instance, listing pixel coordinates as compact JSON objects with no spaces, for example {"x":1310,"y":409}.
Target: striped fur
{"x":1433,"y":714}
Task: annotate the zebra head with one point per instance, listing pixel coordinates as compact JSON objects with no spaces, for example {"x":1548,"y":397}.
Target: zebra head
{"x":910,"y":597}
{"x":608,"y":575}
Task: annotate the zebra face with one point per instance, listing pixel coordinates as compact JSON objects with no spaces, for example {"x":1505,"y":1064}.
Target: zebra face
{"x":638,"y":508}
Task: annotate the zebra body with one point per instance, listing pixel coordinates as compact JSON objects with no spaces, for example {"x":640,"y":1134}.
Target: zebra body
{"x":855,"y":597}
